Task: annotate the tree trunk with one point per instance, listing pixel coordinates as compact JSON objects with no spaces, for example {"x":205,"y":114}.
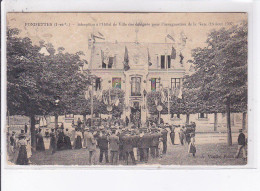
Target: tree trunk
{"x":187,"y":118}
{"x":56,"y":121}
{"x":244,"y":121}
{"x":229,"y":135}
{"x":215,"y":121}
{"x":33,"y":133}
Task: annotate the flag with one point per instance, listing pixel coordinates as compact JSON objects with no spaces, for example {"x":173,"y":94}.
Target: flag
{"x":156,"y":101}
{"x":192,"y":69}
{"x":149,"y":58}
{"x":126,"y":60}
{"x":182,"y":57}
{"x":183,"y":39}
{"x":163,"y":97}
{"x":180,"y":94}
{"x":95,"y":36}
{"x":100,"y":34}
{"x":87,"y":95}
{"x":117,"y":102}
{"x":105,"y":99}
{"x":170,"y":37}
{"x":173,"y":54}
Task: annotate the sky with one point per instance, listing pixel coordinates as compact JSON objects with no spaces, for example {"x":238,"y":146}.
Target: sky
{"x":72,"y":30}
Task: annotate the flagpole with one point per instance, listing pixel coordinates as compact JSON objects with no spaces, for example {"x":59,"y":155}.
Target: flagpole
{"x":167,"y":65}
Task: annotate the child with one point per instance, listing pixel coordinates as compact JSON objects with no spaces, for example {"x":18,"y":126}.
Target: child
{"x":160,"y":147}
{"x":192,"y":147}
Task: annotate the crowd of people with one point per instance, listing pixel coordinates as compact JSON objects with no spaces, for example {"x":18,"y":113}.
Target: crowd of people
{"x":116,"y":142}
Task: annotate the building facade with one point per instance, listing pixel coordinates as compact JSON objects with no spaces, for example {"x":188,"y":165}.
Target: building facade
{"x":152,"y":66}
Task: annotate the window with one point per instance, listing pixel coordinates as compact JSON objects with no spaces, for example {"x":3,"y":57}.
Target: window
{"x":162,"y":61}
{"x":135,"y":86}
{"x":169,"y":61}
{"x":202,"y":115}
{"x":165,"y":60}
{"x":175,"y":83}
{"x":155,"y":84}
{"x":108,"y":62}
{"x":116,"y":83}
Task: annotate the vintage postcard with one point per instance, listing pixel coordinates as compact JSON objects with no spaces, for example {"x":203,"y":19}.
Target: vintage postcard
{"x":127,"y":89}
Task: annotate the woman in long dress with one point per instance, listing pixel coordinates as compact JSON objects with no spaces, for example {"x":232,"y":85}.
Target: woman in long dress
{"x":172,"y":135}
{"x":67,"y":141}
{"x":29,"y":149}
{"x":53,"y":142}
{"x":39,"y":142}
{"x":78,"y":141}
{"x":60,"y":142}
{"x":177,"y":136}
{"x":22,"y":158}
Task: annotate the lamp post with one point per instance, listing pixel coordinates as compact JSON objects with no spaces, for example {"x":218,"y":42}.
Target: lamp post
{"x":159,"y":108}
{"x":145,"y":106}
{"x":56,"y":103}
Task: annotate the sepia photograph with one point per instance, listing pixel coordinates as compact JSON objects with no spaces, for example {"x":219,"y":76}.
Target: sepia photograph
{"x":126,"y":89}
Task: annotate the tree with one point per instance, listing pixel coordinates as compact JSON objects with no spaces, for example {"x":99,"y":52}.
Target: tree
{"x":221,"y":73}
{"x":35,"y":80}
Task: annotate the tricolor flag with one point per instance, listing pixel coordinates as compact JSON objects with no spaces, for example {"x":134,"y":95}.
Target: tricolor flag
{"x":117,"y":102}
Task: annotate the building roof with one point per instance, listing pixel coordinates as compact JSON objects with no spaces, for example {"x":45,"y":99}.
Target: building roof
{"x":137,"y":54}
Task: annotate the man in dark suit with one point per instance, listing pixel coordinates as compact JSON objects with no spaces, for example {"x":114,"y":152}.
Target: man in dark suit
{"x":164,"y":136}
{"x":241,"y":144}
{"x":154,"y":143}
{"x":103,"y":145}
{"x":144,"y":144}
{"x":113,"y":147}
{"x":127,"y":140}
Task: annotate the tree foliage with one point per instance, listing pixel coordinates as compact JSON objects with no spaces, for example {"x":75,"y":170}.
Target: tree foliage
{"x":35,"y":79}
{"x":221,"y":72}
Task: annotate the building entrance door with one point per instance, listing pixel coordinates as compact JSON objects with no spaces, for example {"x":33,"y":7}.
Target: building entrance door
{"x":135,"y":116}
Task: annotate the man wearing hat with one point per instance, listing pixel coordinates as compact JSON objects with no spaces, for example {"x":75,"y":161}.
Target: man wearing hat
{"x":164,"y":136}
{"x":127,"y":140}
{"x":91,"y":146}
{"x":144,"y":144}
{"x":154,"y":143}
{"x":241,"y":144}
{"x":103,"y":145}
{"x":113,"y":147}
{"x":12,"y":142}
